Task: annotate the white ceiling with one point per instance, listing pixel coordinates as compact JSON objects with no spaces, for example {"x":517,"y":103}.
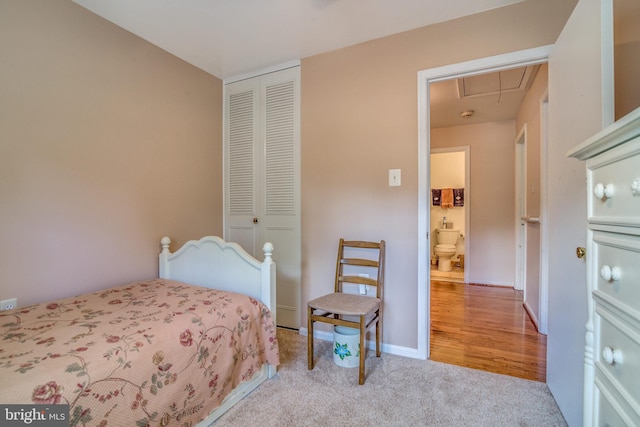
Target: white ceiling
{"x":229,"y":38}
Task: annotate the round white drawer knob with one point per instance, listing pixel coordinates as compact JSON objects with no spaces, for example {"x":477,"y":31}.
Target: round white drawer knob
{"x":602,"y":191}
{"x":611,"y":356}
{"x":610,"y":273}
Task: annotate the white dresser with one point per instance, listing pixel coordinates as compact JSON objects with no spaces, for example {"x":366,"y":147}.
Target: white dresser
{"x":612,"y":350}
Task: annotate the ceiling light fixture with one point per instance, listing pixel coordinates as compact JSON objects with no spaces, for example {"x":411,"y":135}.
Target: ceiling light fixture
{"x":466,"y":114}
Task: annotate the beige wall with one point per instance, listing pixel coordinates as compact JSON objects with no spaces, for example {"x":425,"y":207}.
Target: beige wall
{"x":491,"y":197}
{"x":359,"y":119}
{"x":626,"y":56}
{"x":529,"y":115}
{"x":107,"y":143}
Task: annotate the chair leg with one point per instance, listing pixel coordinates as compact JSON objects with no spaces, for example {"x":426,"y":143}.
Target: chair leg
{"x":363,"y":351}
{"x":309,"y":339}
{"x":378,"y":336}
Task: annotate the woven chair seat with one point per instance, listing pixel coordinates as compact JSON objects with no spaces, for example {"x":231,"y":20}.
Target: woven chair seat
{"x":345,"y":304}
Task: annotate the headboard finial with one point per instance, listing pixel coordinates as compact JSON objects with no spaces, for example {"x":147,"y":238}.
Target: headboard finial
{"x":268,"y":250}
{"x":165,"y":242}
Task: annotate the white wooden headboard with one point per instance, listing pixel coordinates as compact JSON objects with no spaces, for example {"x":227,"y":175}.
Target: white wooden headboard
{"x":213,"y":263}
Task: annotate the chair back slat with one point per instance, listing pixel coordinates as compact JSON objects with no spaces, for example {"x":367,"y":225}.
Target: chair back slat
{"x":360,"y":262}
{"x":376,"y":261}
{"x":358,"y":280}
{"x":361,"y":244}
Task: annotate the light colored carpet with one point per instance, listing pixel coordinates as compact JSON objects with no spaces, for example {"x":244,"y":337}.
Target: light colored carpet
{"x":398,"y":391}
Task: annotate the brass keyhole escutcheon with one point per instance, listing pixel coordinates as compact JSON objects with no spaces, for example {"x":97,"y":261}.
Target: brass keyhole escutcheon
{"x":255,"y":220}
{"x":580,"y":252}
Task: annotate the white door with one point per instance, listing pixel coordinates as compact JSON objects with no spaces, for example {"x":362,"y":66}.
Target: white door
{"x":262,"y":177}
{"x":242,"y":165}
{"x":576,"y":63}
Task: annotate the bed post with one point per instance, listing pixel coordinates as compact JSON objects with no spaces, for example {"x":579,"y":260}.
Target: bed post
{"x":269,"y":276}
{"x":268,"y":251}
{"x":164,"y":255}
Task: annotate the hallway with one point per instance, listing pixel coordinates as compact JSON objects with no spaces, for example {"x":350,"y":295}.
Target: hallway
{"x":485,"y":327}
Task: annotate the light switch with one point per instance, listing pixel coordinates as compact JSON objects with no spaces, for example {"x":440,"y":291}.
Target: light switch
{"x":394,"y":177}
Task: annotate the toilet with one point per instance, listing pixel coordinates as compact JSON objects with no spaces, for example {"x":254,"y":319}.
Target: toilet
{"x":445,"y":248}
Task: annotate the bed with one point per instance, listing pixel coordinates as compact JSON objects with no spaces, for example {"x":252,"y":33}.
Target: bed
{"x":177,"y":350}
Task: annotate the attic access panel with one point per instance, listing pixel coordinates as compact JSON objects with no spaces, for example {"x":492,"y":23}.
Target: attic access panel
{"x":515,"y":79}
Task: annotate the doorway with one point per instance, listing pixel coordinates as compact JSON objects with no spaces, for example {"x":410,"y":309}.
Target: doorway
{"x":425,"y":78}
{"x":450,"y":168}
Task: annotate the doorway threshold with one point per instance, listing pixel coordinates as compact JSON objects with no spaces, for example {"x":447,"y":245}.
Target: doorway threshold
{"x":456,"y":275}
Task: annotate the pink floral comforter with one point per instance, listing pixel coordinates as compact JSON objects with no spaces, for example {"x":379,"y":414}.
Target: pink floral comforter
{"x":157,"y":352}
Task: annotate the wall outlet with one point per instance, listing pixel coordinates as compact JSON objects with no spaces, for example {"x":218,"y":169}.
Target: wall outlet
{"x":363,"y":289}
{"x":8,"y":304}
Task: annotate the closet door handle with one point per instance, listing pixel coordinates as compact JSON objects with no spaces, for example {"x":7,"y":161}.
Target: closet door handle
{"x":255,"y":220}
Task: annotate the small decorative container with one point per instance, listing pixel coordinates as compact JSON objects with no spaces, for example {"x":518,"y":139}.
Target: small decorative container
{"x":346,"y":346}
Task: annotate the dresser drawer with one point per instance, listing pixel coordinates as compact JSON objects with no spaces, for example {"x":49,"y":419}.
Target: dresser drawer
{"x":609,"y":411}
{"x":616,"y":267}
{"x":614,"y":185}
{"x":617,"y":353}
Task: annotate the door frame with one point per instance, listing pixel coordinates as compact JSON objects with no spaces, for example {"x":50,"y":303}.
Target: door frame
{"x":425,"y":78}
{"x":521,"y":210}
{"x":544,"y":222}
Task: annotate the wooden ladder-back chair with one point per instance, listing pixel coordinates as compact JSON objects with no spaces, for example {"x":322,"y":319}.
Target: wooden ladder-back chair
{"x":339,"y":308}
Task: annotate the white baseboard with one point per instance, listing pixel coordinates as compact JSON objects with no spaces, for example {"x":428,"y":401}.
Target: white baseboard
{"x":371,"y":345}
{"x":532,"y":315}
{"x":492,"y":283}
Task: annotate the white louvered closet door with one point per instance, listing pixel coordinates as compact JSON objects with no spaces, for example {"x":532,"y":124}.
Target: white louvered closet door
{"x":262,"y":177}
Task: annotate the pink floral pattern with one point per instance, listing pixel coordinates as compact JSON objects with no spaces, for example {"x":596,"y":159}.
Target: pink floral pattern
{"x":157,"y":352}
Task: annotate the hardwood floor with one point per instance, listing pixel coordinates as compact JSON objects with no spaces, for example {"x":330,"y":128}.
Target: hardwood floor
{"x":487,"y":328}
